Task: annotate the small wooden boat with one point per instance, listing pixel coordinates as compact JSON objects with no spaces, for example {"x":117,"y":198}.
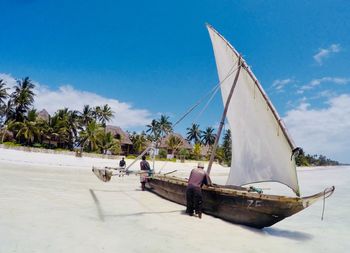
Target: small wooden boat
{"x":262,"y":151}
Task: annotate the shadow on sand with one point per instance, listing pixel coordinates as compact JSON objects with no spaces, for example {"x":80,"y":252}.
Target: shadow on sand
{"x":271,"y":231}
{"x":293,"y":235}
{"x":140,"y":213}
{"x":102,"y":216}
{"x":277,"y":232}
{"x":98,"y":206}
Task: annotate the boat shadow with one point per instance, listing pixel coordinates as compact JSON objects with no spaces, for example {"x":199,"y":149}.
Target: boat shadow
{"x":282,"y":233}
{"x":141,"y":213}
{"x":102,"y":216}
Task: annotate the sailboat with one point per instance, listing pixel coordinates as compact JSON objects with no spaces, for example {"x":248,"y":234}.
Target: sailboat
{"x":262,"y":151}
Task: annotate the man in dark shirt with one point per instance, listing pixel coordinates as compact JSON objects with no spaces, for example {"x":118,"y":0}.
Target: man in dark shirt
{"x":145,"y":171}
{"x":122,"y":163}
{"x":198,"y":177}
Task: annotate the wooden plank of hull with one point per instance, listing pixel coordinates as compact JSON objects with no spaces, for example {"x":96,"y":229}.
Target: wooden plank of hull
{"x":240,"y":207}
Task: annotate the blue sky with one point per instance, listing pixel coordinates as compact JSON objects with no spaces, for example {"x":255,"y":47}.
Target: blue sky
{"x":152,"y":57}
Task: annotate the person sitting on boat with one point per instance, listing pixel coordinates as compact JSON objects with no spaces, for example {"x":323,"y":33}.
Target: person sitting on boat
{"x":145,"y":171}
{"x":122,"y":163}
{"x":198,"y":177}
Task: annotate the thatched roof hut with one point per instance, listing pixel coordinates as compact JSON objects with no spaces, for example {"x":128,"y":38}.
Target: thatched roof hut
{"x":122,"y":136}
{"x":43,"y":114}
{"x":119,"y":134}
{"x":184,"y":143}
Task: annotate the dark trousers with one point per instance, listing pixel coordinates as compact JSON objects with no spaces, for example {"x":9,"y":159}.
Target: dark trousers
{"x":194,"y":199}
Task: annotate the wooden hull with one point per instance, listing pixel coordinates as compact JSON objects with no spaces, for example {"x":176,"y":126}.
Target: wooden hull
{"x":237,"y":206}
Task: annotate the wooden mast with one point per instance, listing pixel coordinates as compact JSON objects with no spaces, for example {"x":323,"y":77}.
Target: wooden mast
{"x":222,"y":122}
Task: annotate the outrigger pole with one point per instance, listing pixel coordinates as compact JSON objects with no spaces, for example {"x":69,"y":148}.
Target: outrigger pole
{"x":151,"y":147}
{"x":105,"y":174}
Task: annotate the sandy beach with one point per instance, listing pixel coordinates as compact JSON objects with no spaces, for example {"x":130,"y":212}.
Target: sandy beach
{"x":54,"y":203}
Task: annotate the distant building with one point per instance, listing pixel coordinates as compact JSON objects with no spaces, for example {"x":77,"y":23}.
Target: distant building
{"x":43,"y":114}
{"x":184,"y":143}
{"x":122,"y":136}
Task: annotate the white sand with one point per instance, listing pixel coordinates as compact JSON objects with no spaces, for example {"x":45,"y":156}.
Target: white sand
{"x":53,"y":203}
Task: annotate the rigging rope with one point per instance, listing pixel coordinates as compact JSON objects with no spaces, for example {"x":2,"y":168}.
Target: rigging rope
{"x":207,"y":104}
{"x":324,"y":203}
{"x":326,"y":193}
{"x":214,"y":90}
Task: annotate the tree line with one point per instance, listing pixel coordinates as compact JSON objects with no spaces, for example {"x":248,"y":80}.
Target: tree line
{"x":67,"y":128}
{"x":314,"y":160}
{"x":86,"y":129}
{"x":159,"y":129}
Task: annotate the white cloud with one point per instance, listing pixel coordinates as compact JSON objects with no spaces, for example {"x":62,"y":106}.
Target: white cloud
{"x":280,"y":84}
{"x":322,"y":131}
{"x":316,"y":82}
{"x":326,"y":52}
{"x":8,"y":79}
{"x":67,"y":96}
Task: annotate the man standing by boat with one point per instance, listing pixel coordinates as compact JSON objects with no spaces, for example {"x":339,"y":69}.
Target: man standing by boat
{"x":198,"y":177}
{"x":122,"y":163}
{"x":145,"y":170}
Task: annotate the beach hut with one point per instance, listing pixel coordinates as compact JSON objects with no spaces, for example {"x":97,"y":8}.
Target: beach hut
{"x":122,"y":136}
{"x":172,"y":150}
{"x":44,"y":115}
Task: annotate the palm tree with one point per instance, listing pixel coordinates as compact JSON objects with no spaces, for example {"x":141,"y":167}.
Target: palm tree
{"x":193,"y":133}
{"x":90,"y":136}
{"x":28,"y":129}
{"x":50,"y":130}
{"x":208,"y":137}
{"x":73,"y":125}
{"x":3,"y":92}
{"x":107,"y":142}
{"x":44,"y":129}
{"x":3,"y":97}
{"x":106,"y":114}
{"x":174,"y":143}
{"x":60,"y":127}
{"x":6,"y":130}
{"x":65,"y":124}
{"x":22,"y":97}
{"x":165,"y":126}
{"x":153,"y":130}
{"x":139,"y":142}
{"x":86,"y":116}
{"x":32,"y":115}
{"x":96,"y":112}
{"x":8,"y":111}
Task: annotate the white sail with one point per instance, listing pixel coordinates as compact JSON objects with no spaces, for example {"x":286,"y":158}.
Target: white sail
{"x":261,"y":147}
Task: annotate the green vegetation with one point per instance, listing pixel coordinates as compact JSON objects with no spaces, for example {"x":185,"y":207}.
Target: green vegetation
{"x":314,"y":160}
{"x":21,"y":124}
{"x":11,"y":144}
{"x":66,"y":129}
{"x":162,"y":153}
